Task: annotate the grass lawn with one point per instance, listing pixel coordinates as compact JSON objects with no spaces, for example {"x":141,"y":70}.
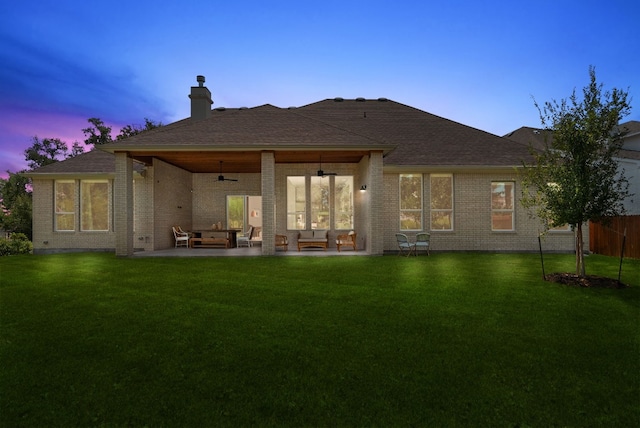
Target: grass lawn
{"x":450,"y":339}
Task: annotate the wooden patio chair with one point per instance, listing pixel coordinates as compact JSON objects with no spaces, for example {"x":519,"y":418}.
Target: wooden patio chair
{"x":346,"y":240}
{"x":182,"y":238}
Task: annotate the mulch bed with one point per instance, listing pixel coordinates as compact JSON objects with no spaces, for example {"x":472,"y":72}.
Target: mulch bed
{"x":593,"y":281}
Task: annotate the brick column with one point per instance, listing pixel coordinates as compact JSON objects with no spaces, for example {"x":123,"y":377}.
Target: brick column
{"x":375,"y":192}
{"x":268,"y":177}
{"x":123,"y":204}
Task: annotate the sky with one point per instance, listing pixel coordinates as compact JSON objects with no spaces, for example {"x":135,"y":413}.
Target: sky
{"x":478,"y":63}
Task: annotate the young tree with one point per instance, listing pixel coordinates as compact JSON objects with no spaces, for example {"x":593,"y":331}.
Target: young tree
{"x":575,"y":178}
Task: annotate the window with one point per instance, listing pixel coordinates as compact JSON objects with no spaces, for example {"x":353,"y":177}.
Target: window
{"x":296,"y":203}
{"x":343,"y":205}
{"x":502,"y":197}
{"x":65,"y":217}
{"x":441,"y":202}
{"x":94,"y":205}
{"x":320,"y":211}
{"x":410,"y":202}
{"x":329,"y":202}
{"x":236,"y":212}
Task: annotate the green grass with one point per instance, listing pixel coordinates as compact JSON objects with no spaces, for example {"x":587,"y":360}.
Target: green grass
{"x":445,"y":340}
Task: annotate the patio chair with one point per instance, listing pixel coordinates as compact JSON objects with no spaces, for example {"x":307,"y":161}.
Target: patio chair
{"x":282,"y":241}
{"x":346,"y":240}
{"x":404,"y":245}
{"x":182,"y":238}
{"x":246,"y":239}
{"x":256,"y":236}
{"x":182,"y":231}
{"x":423,"y":242}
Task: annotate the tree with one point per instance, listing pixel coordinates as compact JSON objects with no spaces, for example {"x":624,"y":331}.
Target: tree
{"x":131,"y":130}
{"x":44,"y":152}
{"x":97,"y":134}
{"x":16,"y":204}
{"x":575,"y":179}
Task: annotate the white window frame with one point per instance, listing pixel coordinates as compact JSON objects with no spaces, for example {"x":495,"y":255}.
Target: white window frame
{"x":57,"y":213}
{"x":296,"y":209}
{"x":82,"y":183}
{"x":419,"y":211}
{"x":441,"y":210}
{"x":511,"y":210}
{"x":337,"y":213}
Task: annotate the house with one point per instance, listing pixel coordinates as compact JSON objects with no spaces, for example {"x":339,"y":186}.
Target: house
{"x":628,"y":157}
{"x":374,"y":166}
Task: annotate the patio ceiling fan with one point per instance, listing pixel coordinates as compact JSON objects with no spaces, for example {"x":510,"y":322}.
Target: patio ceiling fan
{"x":222,"y":178}
{"x":321,"y":173}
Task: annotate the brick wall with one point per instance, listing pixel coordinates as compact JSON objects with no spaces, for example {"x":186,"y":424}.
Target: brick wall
{"x":172,"y":202}
{"x":47,"y":240}
{"x":472,"y":218}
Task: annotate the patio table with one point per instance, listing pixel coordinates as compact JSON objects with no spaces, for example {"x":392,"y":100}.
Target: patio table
{"x":232,"y":235}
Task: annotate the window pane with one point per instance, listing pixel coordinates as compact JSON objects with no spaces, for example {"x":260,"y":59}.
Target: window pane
{"x":441,"y":201}
{"x":502,"y":204}
{"x":235,"y":212}
{"x":502,"y":195}
{"x":65,"y":204}
{"x":296,"y":203}
{"x":410,"y":192}
{"x":502,"y":221}
{"x":95,"y":205}
{"x":441,"y":220}
{"x":344,"y":202}
{"x":410,"y":220}
{"x":320,"y":215}
{"x":410,"y":202}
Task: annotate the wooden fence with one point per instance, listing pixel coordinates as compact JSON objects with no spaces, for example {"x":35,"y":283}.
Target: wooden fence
{"x":607,"y":239}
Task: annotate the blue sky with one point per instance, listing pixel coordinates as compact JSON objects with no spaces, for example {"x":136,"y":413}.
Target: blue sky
{"x":478,"y":63}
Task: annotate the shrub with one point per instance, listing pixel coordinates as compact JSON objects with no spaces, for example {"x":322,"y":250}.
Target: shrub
{"x":18,"y":243}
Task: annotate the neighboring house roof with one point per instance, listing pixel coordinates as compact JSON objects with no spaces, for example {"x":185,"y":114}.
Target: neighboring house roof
{"x":408,"y":137}
{"x":631,"y":128}
{"x":538,"y":138}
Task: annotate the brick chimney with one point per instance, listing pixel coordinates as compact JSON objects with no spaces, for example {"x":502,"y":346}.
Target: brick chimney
{"x":200,"y":100}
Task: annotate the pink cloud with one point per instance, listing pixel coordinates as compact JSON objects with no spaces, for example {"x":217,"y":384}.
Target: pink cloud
{"x":17,"y":129}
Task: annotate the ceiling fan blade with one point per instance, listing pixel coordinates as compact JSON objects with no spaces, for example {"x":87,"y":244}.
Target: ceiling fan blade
{"x":230,"y":179}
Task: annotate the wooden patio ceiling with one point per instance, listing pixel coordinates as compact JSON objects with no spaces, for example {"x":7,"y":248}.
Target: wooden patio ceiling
{"x":244,"y":161}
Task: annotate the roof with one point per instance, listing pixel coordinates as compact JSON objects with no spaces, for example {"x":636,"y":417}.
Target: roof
{"x":631,"y":127}
{"x":408,"y":137}
{"x":538,"y":137}
{"x":420,"y":138}
{"x":94,"y":162}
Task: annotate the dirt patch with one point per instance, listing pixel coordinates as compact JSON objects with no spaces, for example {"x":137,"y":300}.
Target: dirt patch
{"x":593,"y":281}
